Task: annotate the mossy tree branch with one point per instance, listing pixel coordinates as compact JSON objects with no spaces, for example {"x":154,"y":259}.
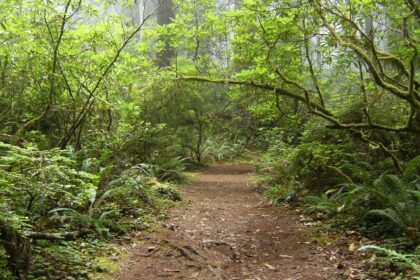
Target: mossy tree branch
{"x":313,"y":108}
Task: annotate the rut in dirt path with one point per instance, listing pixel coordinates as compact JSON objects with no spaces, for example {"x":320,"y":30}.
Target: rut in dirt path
{"x":225,"y":232}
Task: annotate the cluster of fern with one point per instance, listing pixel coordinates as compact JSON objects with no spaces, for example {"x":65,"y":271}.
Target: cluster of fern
{"x":50,"y":196}
{"x":217,"y":150}
{"x":354,"y":185}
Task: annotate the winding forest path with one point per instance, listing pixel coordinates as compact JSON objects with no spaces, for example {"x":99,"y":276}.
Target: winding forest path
{"x":225,"y":232}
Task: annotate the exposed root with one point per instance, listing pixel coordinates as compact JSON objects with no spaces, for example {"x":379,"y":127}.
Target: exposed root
{"x":214,"y":264}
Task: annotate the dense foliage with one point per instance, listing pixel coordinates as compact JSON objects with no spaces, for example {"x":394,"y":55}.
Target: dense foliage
{"x":102,"y":111}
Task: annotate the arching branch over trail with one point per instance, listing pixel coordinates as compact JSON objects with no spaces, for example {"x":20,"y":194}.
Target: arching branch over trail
{"x":313,"y":108}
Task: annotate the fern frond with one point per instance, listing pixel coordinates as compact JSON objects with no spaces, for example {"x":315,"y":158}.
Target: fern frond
{"x":411,"y":260}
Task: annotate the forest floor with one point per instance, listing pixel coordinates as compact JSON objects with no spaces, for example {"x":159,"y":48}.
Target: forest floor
{"x":226,"y":230}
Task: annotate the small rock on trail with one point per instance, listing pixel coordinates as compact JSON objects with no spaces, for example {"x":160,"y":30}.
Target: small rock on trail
{"x":225,"y":233}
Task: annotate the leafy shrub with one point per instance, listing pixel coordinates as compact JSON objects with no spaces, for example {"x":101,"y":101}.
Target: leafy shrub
{"x":221,"y":150}
{"x":312,"y":164}
{"x":167,"y":191}
{"x":389,"y":197}
{"x":412,"y":170}
{"x":46,"y":192}
{"x":330,"y":202}
{"x":39,"y":181}
{"x":392,"y":197}
{"x":279,"y":194}
{"x":357,"y":172}
{"x":165,"y":169}
{"x":32,"y":184}
{"x":132,"y":194}
{"x":60,"y":260}
{"x":306,"y":167}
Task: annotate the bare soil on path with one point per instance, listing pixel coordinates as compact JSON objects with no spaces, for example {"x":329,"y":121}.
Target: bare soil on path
{"x":227,"y":231}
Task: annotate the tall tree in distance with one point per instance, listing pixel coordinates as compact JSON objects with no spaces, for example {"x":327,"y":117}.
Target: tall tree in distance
{"x":165,"y":14}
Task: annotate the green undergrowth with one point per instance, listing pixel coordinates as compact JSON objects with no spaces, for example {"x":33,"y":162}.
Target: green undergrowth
{"x":88,"y":210}
{"x":393,"y":228}
{"x":88,"y":202}
{"x":348,"y":187}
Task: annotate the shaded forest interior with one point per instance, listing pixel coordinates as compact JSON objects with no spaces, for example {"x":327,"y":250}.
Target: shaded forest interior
{"x":105,"y":106}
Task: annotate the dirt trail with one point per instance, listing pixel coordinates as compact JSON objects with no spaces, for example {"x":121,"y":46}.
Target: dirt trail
{"x":225,"y":232}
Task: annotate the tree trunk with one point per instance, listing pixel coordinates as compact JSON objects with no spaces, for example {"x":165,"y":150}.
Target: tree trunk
{"x":18,"y":248}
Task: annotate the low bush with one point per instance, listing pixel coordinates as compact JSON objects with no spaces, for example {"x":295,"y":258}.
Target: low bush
{"x":214,"y":150}
{"x":48,"y":198}
{"x":355,"y":186}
